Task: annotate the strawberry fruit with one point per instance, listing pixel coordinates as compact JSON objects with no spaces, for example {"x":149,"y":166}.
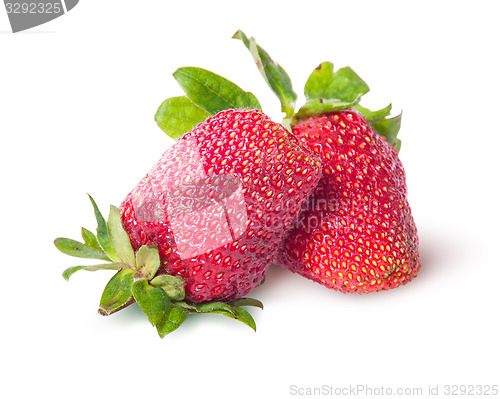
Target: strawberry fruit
{"x":201,"y":228}
{"x":323,"y":194}
{"x":219,"y":201}
{"x":356,"y":233}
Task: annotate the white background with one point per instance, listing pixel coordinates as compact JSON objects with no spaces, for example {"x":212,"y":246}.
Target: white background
{"x":77,"y":102}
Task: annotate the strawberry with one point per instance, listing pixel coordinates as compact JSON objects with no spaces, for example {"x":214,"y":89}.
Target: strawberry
{"x":356,"y":233}
{"x":201,"y":228}
{"x":219,"y":201}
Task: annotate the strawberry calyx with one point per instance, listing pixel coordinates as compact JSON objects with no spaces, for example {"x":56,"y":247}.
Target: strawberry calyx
{"x":319,"y":106}
{"x":161,"y":297}
{"x":206,"y":94}
{"x":325,"y":91}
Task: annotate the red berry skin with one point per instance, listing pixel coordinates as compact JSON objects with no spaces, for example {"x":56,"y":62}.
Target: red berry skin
{"x":219,"y":201}
{"x":356,"y":233}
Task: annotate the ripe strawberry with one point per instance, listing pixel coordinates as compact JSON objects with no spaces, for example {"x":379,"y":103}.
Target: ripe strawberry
{"x":201,"y":228}
{"x":356,"y":233}
{"x":219,"y":201}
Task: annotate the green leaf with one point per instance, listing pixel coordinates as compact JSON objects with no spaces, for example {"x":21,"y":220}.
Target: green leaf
{"x":172,"y":285}
{"x":92,"y":268}
{"x":344,"y":85}
{"x":247,"y":302}
{"x":245,"y":317}
{"x":389,"y":128}
{"x":119,"y":238}
{"x":117,"y":292}
{"x":153,"y":301}
{"x":374,"y":116}
{"x":90,"y":239}
{"x":321,"y":106}
{"x":239,"y":314}
{"x":172,"y":319}
{"x":214,"y":307}
{"x":212,"y":92}
{"x":147,"y":260}
{"x":178,"y":115}
{"x":102,"y":234}
{"x":77,"y":249}
{"x":275,"y":76}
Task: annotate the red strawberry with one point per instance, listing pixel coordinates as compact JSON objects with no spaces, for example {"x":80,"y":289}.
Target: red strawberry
{"x":200,"y":230}
{"x":356,"y":233}
{"x":221,"y":239}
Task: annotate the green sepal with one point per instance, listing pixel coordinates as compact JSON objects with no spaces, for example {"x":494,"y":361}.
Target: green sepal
{"x":117,"y":293}
{"x":247,"y":302}
{"x":214,"y":307}
{"x":172,"y":285}
{"x":77,"y":249}
{"x":178,"y":115}
{"x":374,"y":116}
{"x":344,"y":85}
{"x":153,"y":301}
{"x":119,"y":238}
{"x":102,"y":234}
{"x":90,"y":239}
{"x":212,"y":92}
{"x":389,"y":128}
{"x":239,"y":314}
{"x":226,"y":309}
{"x":171,"y":320}
{"x":92,"y":268}
{"x":321,"y":106}
{"x":147,"y":261}
{"x":245,"y":317}
{"x":275,"y":76}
